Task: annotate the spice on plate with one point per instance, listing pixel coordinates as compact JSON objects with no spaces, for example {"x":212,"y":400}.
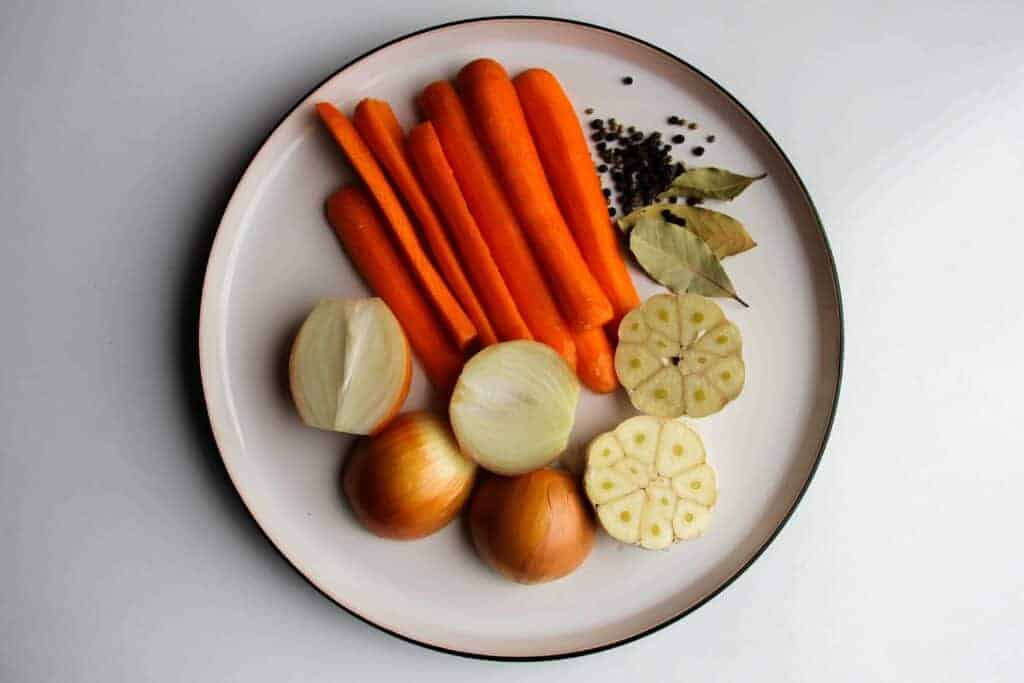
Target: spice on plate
{"x":628,"y":80}
{"x":698,"y":151}
{"x":640,"y":165}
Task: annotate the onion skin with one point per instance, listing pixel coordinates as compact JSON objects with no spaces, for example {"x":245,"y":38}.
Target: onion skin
{"x":409,"y":480}
{"x":532,"y":528}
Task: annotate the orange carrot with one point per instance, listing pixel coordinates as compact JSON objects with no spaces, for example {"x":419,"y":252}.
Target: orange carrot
{"x":494,"y":108}
{"x":427,"y":155}
{"x":495,"y":219}
{"x":348,"y":138}
{"x":383,"y":134}
{"x":359,"y":225}
{"x":595,"y":364}
{"x":567,"y":163}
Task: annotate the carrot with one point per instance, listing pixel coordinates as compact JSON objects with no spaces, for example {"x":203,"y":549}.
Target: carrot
{"x":595,"y":364}
{"x":348,"y":138}
{"x":565,"y":156}
{"x":383,"y":134}
{"x":358,"y":224}
{"x":427,"y":155}
{"x":494,"y":108}
{"x":495,"y":218}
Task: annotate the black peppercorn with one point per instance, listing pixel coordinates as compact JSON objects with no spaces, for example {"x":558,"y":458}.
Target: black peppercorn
{"x":606,"y":192}
{"x":602,"y":168}
{"x":611,"y":210}
{"x":698,"y":151}
{"x":677,"y":139}
{"x":628,"y":80}
{"x":597,"y":124}
{"x":710,"y":138}
{"x":673,"y":120}
{"x":597,"y":137}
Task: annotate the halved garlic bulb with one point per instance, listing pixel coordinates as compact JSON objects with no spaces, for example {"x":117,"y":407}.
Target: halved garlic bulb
{"x":678,"y":355}
{"x":650,"y":482}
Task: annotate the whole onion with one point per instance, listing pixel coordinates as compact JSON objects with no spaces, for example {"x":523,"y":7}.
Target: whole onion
{"x":532,"y":528}
{"x":409,"y":480}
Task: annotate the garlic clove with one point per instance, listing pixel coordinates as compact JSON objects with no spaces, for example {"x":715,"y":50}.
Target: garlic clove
{"x":679,"y":448}
{"x":661,"y":313}
{"x":621,"y":517}
{"x":639,"y":437}
{"x":633,"y":328}
{"x":690,"y":520}
{"x":698,"y":484}
{"x":634,"y":363}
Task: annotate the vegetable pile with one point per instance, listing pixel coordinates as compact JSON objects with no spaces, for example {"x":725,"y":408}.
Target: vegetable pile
{"x":485,"y":233}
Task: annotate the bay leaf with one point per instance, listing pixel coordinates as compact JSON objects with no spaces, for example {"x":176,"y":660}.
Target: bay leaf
{"x":679,"y":259}
{"x":724,"y":234}
{"x":709,"y":182}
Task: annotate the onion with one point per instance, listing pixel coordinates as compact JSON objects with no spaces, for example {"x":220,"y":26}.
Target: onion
{"x":514,"y":406}
{"x":409,"y":480}
{"x":350,"y":366}
{"x":532,"y":528}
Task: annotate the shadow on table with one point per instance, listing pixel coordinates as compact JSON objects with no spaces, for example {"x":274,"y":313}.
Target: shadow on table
{"x":210,"y":208}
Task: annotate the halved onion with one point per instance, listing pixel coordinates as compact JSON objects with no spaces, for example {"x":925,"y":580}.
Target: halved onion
{"x":409,"y":480}
{"x":531,"y":528}
{"x":350,"y":366}
{"x":514,"y":407}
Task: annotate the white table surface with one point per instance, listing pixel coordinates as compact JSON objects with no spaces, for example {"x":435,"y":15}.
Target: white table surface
{"x":125,"y":555}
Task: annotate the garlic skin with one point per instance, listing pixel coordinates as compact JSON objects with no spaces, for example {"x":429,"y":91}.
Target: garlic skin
{"x":409,"y":480}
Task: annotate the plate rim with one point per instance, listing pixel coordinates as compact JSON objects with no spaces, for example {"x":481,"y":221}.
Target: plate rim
{"x":217,"y":247}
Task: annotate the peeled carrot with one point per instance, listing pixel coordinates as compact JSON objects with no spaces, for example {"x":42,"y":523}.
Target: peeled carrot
{"x":348,"y":138}
{"x":359,"y":225}
{"x":567,"y":163}
{"x":495,"y":110}
{"x":495,"y":218}
{"x":383,"y":135}
{"x":595,"y":363}
{"x":427,"y":155}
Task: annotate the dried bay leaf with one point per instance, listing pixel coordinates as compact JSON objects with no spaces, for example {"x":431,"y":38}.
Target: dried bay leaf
{"x":724,"y":234}
{"x":679,"y":259}
{"x":709,"y":183}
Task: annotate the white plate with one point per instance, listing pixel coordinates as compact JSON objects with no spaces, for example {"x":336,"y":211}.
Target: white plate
{"x":274,"y":258}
